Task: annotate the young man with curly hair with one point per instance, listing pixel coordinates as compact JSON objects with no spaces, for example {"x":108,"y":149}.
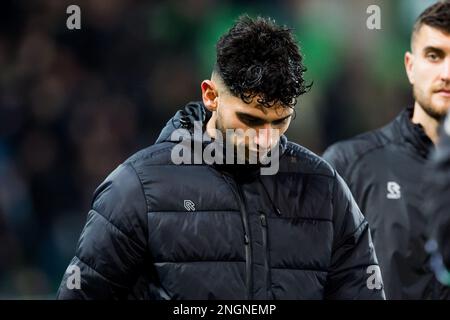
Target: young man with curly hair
{"x":221,"y":230}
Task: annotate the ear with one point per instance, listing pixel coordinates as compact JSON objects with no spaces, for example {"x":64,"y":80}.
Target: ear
{"x":409,"y":66}
{"x":210,"y":94}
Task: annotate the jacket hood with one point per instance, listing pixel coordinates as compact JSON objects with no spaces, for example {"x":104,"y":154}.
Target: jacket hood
{"x":185,"y":118}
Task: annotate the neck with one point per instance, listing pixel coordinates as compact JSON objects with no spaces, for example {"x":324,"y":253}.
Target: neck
{"x":211,"y":125}
{"x":429,"y":124}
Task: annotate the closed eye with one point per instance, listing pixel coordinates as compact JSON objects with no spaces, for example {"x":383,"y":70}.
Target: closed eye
{"x":250,"y":120}
{"x":280,"y":121}
{"x":255,"y":121}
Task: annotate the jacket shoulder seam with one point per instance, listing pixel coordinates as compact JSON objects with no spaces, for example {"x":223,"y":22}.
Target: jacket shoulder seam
{"x":141,"y":186}
{"x":354,"y":162}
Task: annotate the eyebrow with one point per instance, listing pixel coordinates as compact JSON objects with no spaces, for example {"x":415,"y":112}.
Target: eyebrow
{"x":431,"y":49}
{"x":255,"y":118}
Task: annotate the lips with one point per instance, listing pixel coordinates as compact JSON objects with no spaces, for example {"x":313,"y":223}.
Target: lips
{"x":444,"y":92}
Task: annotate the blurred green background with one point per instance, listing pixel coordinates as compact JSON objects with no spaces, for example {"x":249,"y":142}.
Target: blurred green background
{"x":76,"y":103}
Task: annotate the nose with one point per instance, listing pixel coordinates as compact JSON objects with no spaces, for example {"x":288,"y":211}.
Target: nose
{"x":264,"y":138}
{"x":445,"y":76}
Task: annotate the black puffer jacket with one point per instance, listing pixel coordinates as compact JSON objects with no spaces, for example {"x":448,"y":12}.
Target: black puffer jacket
{"x":294,"y":235}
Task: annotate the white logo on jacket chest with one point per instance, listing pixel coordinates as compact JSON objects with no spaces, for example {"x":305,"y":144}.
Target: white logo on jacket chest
{"x":393,"y":190}
{"x":189,"y":205}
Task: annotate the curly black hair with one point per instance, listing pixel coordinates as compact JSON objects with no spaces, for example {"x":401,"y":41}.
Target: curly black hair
{"x":436,"y":16}
{"x":258,"y":58}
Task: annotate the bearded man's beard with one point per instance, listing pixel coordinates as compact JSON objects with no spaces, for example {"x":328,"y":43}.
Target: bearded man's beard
{"x":426,"y":104}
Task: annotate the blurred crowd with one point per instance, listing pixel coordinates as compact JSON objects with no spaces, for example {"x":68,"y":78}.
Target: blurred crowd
{"x":74,"y":104}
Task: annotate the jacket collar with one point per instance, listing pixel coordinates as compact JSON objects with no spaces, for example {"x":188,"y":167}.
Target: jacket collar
{"x":184,"y":118}
{"x":413,"y":134}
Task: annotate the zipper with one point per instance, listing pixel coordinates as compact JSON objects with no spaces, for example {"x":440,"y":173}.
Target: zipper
{"x":265,"y":239}
{"x":248,"y":248}
{"x":265,"y":236}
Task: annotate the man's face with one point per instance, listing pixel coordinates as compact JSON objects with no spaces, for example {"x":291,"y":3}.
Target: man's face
{"x":428,"y":69}
{"x":268,"y":124}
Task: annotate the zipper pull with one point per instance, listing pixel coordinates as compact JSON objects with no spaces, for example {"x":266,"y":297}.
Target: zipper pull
{"x":246,"y":240}
{"x":263,"y":220}
{"x":277,"y":211}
